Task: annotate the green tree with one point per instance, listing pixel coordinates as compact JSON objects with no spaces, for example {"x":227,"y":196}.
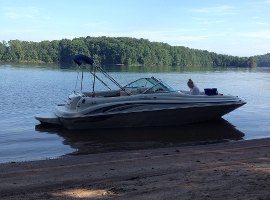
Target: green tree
{"x":3,"y":50}
{"x":65,"y":51}
{"x":16,"y":50}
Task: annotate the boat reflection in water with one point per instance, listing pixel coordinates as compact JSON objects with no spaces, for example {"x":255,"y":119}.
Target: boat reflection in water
{"x":124,"y":139}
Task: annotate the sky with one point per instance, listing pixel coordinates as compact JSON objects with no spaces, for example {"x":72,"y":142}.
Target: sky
{"x":231,"y":27}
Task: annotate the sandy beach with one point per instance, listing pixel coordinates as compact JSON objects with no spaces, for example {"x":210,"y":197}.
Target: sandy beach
{"x":232,"y":170}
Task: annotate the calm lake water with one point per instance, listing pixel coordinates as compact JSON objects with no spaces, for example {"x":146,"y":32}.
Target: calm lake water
{"x":28,"y":89}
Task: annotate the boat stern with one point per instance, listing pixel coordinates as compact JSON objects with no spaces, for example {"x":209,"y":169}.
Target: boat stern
{"x":48,"y":118}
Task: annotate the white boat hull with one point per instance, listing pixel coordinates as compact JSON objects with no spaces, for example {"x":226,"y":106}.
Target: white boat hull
{"x":164,"y":117}
{"x":145,"y":102}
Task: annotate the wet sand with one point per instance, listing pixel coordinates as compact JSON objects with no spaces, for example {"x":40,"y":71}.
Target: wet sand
{"x":232,"y":170}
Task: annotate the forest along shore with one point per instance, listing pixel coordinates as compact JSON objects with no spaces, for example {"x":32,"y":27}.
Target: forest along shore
{"x":233,"y":170}
{"x":120,"y":50}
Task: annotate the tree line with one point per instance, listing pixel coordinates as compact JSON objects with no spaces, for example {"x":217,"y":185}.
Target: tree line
{"x":117,"y":50}
{"x":263,"y":60}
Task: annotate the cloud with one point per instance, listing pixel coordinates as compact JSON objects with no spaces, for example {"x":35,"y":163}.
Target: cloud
{"x":96,"y":24}
{"x":262,"y":2}
{"x":219,"y":10}
{"x":206,"y":21}
{"x":259,"y":23}
{"x":259,"y":3}
{"x":20,"y":12}
{"x":265,"y":34}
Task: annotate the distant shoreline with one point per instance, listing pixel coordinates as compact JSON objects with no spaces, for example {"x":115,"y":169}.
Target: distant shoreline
{"x":137,"y":65}
{"x":119,"y":64}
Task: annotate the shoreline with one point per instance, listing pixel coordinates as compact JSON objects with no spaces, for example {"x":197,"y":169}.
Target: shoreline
{"x":233,"y":170}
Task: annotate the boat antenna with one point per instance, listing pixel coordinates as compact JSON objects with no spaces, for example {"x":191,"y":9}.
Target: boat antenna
{"x":83,"y":65}
{"x":82,"y":78}
{"x":78,"y":71}
{"x":94,"y":80}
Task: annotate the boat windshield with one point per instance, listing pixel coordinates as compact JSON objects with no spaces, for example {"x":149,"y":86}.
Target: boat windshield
{"x":150,"y":85}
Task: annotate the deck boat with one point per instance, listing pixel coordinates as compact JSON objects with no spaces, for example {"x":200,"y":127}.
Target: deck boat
{"x":144,"y":102}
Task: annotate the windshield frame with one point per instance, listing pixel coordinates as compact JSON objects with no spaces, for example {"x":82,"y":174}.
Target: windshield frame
{"x":151,"y":85}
